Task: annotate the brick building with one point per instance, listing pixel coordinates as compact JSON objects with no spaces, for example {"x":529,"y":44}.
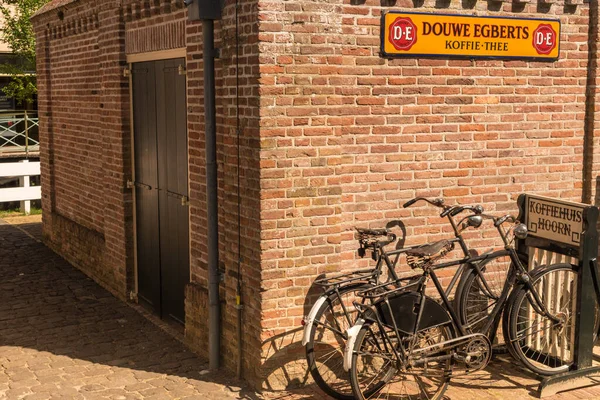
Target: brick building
{"x":331,"y":136}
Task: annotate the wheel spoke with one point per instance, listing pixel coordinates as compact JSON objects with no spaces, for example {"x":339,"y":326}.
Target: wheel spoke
{"x":542,"y":344}
{"x":328,"y":337}
{"x":379,"y":375}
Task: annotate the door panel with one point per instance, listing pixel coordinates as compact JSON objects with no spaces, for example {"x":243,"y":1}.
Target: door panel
{"x":148,"y":249}
{"x":173,"y":178}
{"x":171,"y":245}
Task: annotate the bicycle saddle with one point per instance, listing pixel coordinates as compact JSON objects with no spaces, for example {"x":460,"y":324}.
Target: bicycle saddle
{"x":429,"y":249}
{"x":372,"y":232}
{"x":425,"y":255}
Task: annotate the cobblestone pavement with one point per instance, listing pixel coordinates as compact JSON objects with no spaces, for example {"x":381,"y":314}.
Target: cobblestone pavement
{"x":64,"y":337}
{"x":502,"y":379}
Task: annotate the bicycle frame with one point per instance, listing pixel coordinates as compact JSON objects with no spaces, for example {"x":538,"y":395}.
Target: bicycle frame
{"x":354,"y":278}
{"x":517,"y":272}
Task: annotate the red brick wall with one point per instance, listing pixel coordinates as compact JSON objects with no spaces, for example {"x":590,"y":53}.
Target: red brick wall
{"x":347,"y":137}
{"x":79,"y":83}
{"x":227,"y":181}
{"x":84,"y":99}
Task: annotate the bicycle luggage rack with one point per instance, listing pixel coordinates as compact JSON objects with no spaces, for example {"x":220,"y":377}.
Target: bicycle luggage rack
{"x":361,"y":275}
{"x":568,"y":229}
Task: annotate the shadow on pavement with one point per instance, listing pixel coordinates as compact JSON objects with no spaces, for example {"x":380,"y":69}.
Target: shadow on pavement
{"x":53,"y":316}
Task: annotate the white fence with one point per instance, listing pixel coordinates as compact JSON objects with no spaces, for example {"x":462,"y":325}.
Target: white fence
{"x":19,"y":132}
{"x":25,"y":193}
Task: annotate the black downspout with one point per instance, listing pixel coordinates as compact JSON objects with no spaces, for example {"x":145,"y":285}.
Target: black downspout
{"x":210,"y":113}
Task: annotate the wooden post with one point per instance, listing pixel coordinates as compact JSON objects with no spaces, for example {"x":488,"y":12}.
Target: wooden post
{"x":24,"y":182}
{"x":26,"y":135}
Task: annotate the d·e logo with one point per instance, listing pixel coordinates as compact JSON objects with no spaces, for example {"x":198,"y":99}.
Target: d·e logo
{"x":403,"y":33}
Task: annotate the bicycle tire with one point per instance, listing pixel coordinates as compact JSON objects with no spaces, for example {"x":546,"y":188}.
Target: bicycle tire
{"x":541,"y":345}
{"x":406,"y":385}
{"x":328,"y":372}
{"x":473,"y":301}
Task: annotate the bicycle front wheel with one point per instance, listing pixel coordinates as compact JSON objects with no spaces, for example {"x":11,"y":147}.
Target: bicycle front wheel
{"x":544,"y":346}
{"x":476,"y":297}
{"x":327,"y":340}
{"x":375,"y":372}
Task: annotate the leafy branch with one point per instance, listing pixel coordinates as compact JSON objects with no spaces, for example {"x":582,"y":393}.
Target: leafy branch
{"x":18,"y":33}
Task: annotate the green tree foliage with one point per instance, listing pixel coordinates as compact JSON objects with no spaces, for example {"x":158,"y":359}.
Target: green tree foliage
{"x":17,"y":32}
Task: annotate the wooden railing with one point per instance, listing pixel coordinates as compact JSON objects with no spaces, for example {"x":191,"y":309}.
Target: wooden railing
{"x":19,"y":132}
{"x":25,"y":192}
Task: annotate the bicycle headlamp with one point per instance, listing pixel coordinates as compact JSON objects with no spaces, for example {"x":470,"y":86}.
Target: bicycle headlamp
{"x":521,"y":231}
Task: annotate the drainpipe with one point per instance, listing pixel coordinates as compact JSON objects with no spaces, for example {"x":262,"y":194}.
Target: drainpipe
{"x":214,"y":312}
{"x":208,"y":11}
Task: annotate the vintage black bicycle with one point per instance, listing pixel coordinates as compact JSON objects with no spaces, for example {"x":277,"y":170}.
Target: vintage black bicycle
{"x":406,"y":343}
{"x":333,"y":313}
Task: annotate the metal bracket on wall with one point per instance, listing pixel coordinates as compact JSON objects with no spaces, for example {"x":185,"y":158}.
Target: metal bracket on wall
{"x":126,"y":72}
{"x":181,"y":70}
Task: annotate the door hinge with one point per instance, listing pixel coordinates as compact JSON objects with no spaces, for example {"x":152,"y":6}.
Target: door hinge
{"x":184,"y":199}
{"x":132,"y":184}
{"x":181,"y":70}
{"x":126,"y":72}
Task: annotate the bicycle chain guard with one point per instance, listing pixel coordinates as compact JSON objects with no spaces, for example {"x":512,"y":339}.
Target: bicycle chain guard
{"x":473,"y":350}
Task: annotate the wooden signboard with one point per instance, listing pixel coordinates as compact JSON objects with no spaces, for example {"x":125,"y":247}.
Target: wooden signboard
{"x":557,"y":220}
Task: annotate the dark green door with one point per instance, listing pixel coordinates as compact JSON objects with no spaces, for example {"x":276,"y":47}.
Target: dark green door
{"x":161,"y":187}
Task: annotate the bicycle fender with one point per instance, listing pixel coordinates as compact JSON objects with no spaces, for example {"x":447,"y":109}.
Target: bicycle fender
{"x":310,"y":319}
{"x":349,"y":350}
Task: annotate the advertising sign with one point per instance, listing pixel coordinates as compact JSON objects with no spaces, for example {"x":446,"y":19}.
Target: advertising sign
{"x":556,"y":220}
{"x":437,"y":35}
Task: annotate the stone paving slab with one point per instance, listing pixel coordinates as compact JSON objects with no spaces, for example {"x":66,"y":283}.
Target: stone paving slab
{"x":64,"y":337}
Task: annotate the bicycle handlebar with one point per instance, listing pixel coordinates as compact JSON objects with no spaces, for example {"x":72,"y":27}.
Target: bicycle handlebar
{"x":477,"y":209}
{"x":448,"y":210}
{"x":501,"y":220}
{"x":434,"y":202}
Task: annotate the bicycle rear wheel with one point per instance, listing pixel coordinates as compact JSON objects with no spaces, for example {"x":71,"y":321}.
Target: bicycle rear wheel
{"x":375,"y":373}
{"x":476,"y":298}
{"x":544,"y":346}
{"x":325,"y":348}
